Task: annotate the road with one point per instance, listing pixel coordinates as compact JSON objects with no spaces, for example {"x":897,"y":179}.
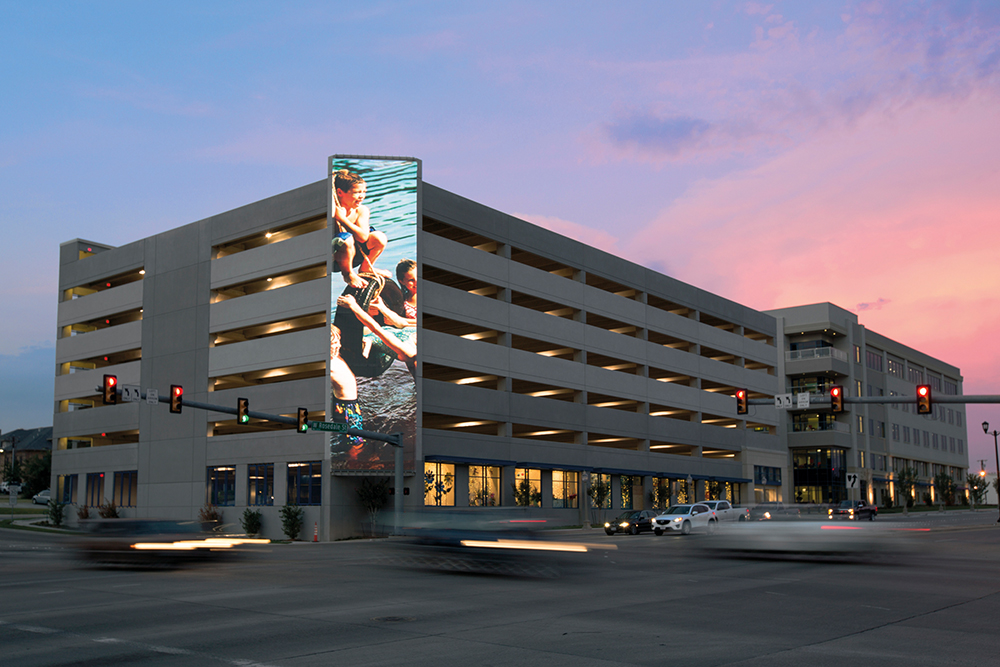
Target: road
{"x":652,"y":601}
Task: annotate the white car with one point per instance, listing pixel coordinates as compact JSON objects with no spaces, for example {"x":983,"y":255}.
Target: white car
{"x":41,"y":498}
{"x":685,"y":518}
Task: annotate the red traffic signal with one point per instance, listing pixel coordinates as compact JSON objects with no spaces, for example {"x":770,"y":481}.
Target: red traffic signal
{"x":110,"y":395}
{"x":303,"y":421}
{"x":837,"y":398}
{"x":923,"y":399}
{"x":176,"y":398}
{"x":741,"y":401}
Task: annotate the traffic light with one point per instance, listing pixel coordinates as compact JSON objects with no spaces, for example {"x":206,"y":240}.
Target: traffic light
{"x":110,"y":395}
{"x":923,"y":399}
{"x":303,"y":420}
{"x":242,"y":410}
{"x":176,"y":398}
{"x":837,"y":398}
{"x":741,"y":401}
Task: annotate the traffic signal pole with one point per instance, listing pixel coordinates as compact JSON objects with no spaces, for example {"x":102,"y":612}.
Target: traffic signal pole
{"x":393,"y":439}
{"x":820,"y":399}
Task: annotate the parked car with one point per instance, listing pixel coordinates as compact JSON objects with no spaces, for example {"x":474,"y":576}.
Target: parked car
{"x":685,"y":518}
{"x":633,"y":522}
{"x":772,"y":511}
{"x":41,"y":498}
{"x":725,"y":511}
{"x":854,"y":509}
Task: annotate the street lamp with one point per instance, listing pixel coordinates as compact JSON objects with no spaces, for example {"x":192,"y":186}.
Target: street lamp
{"x":996,"y":452}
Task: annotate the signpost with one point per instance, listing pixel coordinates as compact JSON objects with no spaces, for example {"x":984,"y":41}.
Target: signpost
{"x":131,"y":393}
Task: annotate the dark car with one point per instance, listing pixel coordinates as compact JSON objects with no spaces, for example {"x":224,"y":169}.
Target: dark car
{"x":854,"y":509}
{"x":633,"y":521}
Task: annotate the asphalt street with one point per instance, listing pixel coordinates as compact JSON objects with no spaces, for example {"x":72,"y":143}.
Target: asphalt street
{"x":651,"y":601}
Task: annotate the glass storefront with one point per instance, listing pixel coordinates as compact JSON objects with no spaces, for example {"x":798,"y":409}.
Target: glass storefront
{"x":819,"y":475}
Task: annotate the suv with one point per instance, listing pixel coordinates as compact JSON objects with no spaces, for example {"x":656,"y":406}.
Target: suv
{"x":853,"y":509}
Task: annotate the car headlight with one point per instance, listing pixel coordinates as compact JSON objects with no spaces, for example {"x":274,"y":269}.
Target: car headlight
{"x":677,"y":520}
{"x":607,"y":524}
{"x":767,"y":515}
{"x":830,"y":511}
{"x":623,"y":524}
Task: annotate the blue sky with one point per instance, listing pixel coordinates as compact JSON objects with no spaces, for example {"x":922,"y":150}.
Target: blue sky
{"x":858,"y":138}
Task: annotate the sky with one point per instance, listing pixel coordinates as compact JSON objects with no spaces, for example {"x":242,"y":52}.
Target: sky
{"x":776,"y":154}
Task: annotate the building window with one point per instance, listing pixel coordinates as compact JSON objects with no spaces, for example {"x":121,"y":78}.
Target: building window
{"x":951,"y":445}
{"x":564,"y":489}
{"x":934,"y":382}
{"x":857,"y":354}
{"x":305,"y":483}
{"x":528,"y":490}
{"x":821,"y":421}
{"x":895,"y":432}
{"x":484,"y":486}
{"x":934,"y":440}
{"x":958,"y":417}
{"x":626,"y":483}
{"x":896,"y":368}
{"x":861,"y":425}
{"x":927,"y":439}
{"x":915,"y":375}
{"x":222,"y":486}
{"x":873,"y":359}
{"x":260,"y":484}
{"x":771,"y":476}
{"x":961,"y":447}
{"x":881,"y":429}
{"x":126,"y":485}
{"x":439,"y":484}
{"x":906,"y":435}
{"x":67,"y":488}
{"x":602,"y":478}
{"x":950,"y":387}
{"x":95,"y":489}
{"x":951,"y":416}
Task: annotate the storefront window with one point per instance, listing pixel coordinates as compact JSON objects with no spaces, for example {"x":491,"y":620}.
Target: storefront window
{"x":627,"y":482}
{"x":484,"y":486}
{"x":527,"y":487}
{"x":439,"y":484}
{"x":565,"y":484}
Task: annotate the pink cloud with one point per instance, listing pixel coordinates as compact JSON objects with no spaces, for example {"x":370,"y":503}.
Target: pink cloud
{"x":899,"y":217}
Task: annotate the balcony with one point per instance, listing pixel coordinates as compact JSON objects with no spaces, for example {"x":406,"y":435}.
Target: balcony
{"x":816,"y":353}
{"x":817,"y":361}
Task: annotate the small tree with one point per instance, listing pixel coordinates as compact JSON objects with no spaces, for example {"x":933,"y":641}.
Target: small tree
{"x":525,"y":495}
{"x":82,"y":512}
{"x":977,"y":489}
{"x":599,"y":493}
{"x":291,"y":520}
{"x":210,"y":516}
{"x":56,"y":512}
{"x":373,"y":496}
{"x":905,"y":483}
{"x":36,"y":474}
{"x":944,"y":487}
{"x":251,"y":521}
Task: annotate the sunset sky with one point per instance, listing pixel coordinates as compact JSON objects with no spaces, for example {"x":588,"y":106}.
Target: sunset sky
{"x":774,"y":153}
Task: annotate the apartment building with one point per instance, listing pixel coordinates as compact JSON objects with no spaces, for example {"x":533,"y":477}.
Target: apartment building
{"x":869,"y":444}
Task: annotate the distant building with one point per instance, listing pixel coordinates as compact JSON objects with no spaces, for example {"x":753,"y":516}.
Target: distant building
{"x":823,"y":345}
{"x":24,"y":444}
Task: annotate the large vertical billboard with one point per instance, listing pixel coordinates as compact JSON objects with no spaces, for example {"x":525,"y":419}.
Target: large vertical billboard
{"x":373,"y":308}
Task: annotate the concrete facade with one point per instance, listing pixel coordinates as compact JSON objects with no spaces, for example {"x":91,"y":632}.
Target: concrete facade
{"x":539,"y":356}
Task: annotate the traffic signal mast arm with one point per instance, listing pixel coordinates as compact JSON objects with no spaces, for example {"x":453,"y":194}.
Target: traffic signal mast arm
{"x":818,"y":399}
{"x":391,"y":438}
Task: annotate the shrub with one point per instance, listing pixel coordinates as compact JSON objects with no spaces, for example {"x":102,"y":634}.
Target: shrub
{"x":210,"y":514}
{"x":291,"y":520}
{"x":108,"y":510}
{"x":82,"y":512}
{"x":251,"y":521}
{"x":56,"y":512}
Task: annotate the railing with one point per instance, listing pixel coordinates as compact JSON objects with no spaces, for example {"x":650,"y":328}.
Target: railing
{"x":839,"y":427}
{"x":816,"y":353}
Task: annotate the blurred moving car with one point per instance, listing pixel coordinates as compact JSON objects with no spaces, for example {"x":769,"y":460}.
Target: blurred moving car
{"x":854,"y":509}
{"x":725,"y":511}
{"x":154,"y":542}
{"x":42,"y":497}
{"x":772,"y":511}
{"x":632,"y":522}
{"x":685,"y":518}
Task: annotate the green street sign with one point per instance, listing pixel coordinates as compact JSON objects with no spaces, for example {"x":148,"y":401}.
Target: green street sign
{"x":335,"y":427}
